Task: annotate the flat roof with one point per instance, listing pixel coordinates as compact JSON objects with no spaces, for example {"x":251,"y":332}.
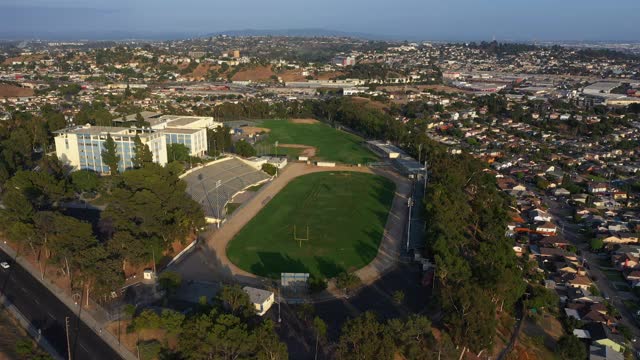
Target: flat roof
{"x":182,"y":121}
{"x":132,"y":117}
{"x":180,"y":131}
{"x":104,"y":130}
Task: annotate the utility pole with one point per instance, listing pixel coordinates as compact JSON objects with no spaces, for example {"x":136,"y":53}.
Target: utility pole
{"x":426,"y":177}
{"x":66,"y":327}
{"x":153,"y":255}
{"x":420,"y":153}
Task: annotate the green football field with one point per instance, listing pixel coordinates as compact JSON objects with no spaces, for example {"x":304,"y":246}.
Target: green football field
{"x":331,"y":144}
{"x":345,"y":213}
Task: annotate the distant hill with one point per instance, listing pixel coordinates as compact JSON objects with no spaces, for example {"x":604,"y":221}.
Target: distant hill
{"x":298,"y":33}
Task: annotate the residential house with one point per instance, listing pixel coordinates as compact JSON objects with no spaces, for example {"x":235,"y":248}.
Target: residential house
{"x":553,"y":241}
{"x":633,"y":278}
{"x":547,"y":229}
{"x":538,"y":215}
{"x":599,"y":352}
{"x":561,"y":192}
{"x":597,"y":188}
{"x":603,"y":335}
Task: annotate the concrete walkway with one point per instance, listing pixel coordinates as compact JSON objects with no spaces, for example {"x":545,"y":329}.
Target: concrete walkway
{"x":388,"y":253}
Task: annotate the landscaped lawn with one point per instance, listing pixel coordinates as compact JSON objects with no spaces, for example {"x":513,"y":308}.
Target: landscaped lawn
{"x":331,"y":144}
{"x":345,"y":212}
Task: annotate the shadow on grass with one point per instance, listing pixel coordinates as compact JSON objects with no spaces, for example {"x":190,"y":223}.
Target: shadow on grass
{"x":272,"y":264}
{"x":328,"y":268}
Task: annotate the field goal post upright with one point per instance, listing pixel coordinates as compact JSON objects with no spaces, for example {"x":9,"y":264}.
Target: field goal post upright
{"x":300,"y":239}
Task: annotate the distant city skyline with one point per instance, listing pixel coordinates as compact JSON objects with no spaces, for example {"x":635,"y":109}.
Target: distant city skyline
{"x":461,"y":20}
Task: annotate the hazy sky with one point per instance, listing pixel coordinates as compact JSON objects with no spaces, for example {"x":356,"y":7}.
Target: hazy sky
{"x":426,"y":19}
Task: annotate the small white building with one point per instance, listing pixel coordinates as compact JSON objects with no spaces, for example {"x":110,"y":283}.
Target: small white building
{"x":261,"y":299}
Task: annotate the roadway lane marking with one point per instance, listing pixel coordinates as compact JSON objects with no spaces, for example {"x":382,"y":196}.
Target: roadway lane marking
{"x":84,"y":348}
{"x":53,"y":317}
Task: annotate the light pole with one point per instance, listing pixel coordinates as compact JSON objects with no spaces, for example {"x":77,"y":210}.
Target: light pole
{"x":410,"y":204}
{"x":278,"y":163}
{"x":279,"y":301}
{"x":218,"y":183}
{"x":66,"y":327}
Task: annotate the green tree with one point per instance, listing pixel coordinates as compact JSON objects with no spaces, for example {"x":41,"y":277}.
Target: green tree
{"x":110,"y":155}
{"x":542,"y":183}
{"x":219,"y":140}
{"x":170,"y":282}
{"x":542,"y":298}
{"x":148,"y":211}
{"x":143,"y":155}
{"x":140,"y":121}
{"x":398,"y":297}
{"x":171,"y":321}
{"x":596,"y":244}
{"x":85,"y":180}
{"x":55,"y":120}
{"x":412,"y":337}
{"x":244,"y":149}
{"x":365,"y":338}
{"x":569,"y":347}
{"x":320,"y":330}
{"x":147,"y":319}
{"x":317,"y":284}
{"x":268,"y":345}
{"x":178,"y":152}
{"x":236,"y":300}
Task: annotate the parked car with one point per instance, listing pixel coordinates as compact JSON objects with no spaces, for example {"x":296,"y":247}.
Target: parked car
{"x":5,"y":265}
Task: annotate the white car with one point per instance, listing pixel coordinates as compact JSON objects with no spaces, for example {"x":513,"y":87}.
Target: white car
{"x":4,"y":265}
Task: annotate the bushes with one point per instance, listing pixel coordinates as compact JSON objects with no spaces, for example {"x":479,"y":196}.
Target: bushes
{"x":149,"y":350}
{"x":244,"y":149}
{"x":317,"y":284}
{"x":347,"y":281}
{"x":269,"y":169}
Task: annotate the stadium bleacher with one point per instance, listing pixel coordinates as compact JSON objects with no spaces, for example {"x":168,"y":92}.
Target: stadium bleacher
{"x":234,"y":176}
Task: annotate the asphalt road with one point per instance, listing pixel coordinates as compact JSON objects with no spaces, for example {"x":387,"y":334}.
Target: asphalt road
{"x":47,"y":313}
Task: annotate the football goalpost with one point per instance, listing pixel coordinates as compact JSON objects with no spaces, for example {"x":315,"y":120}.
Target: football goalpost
{"x":300,"y":239}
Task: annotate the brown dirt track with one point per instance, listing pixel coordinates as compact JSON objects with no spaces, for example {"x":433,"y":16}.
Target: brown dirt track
{"x":214,"y":257}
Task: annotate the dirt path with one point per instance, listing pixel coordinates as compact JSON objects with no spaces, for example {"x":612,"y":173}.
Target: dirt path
{"x":388,"y":252}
